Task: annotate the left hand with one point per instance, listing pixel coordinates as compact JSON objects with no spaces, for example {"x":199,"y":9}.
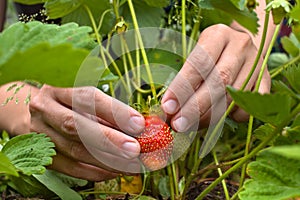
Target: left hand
{"x":223,"y":56}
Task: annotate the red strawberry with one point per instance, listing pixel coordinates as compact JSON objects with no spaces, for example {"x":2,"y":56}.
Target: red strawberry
{"x":156,"y":143}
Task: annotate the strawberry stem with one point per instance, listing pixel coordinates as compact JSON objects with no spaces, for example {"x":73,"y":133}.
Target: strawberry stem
{"x":194,"y":34}
{"x":220,"y":173}
{"x":183,"y":29}
{"x":124,"y":59}
{"x":171,"y":182}
{"x":140,"y":42}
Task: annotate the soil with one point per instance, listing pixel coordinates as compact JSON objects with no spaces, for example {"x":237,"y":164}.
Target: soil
{"x":216,"y":194}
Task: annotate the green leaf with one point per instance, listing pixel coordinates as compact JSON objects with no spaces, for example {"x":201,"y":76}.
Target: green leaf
{"x":240,"y":4}
{"x":290,"y":151}
{"x":155,"y":3}
{"x":53,"y":183}
{"x":28,"y":186}
{"x":264,"y":131}
{"x":30,"y":2}
{"x":296,"y":31}
{"x":292,"y":73}
{"x":22,"y":36}
{"x":4,"y":139}
{"x":59,"y":8}
{"x":276,"y":59}
{"x":6,"y":167}
{"x":278,"y":14}
{"x":212,"y":17}
{"x":272,"y":177}
{"x":270,"y":108}
{"x":163,"y":186}
{"x":293,"y":131}
{"x":68,"y":180}
{"x":56,"y":65}
{"x":280,"y":87}
{"x":296,"y":122}
{"x":80,"y":15}
{"x":30,"y":153}
{"x":244,"y":17}
{"x":143,"y":197}
{"x":295,"y":13}
{"x":147,"y":16}
{"x":289,"y":46}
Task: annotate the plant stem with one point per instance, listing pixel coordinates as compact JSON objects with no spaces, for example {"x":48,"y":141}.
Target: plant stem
{"x":236,"y":194}
{"x":138,"y":71}
{"x":129,"y":58}
{"x":102,"y":19}
{"x":171,"y":182}
{"x":247,"y":149}
{"x":252,"y":153}
{"x":96,"y":31}
{"x":183,"y":29}
{"x":264,"y":65}
{"x":126,"y":69}
{"x":191,"y":177}
{"x":115,"y":67}
{"x":116,"y":8}
{"x":144,"y":55}
{"x":173,"y":166}
{"x":220,"y":174}
{"x":279,"y":69}
{"x":146,"y":174}
{"x":194,"y":33}
{"x":236,"y":166}
{"x":93,"y":23}
{"x":260,"y":49}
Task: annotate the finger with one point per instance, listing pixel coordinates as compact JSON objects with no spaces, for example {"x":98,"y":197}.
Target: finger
{"x":65,"y":146}
{"x":88,"y":154}
{"x":212,"y":90}
{"x":210,"y":95}
{"x":195,"y":70}
{"x":91,"y":133}
{"x":238,"y":83}
{"x":95,"y":102}
{"x":80,"y":170}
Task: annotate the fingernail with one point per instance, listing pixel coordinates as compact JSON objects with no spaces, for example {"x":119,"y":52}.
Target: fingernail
{"x":136,"y":123}
{"x":181,"y":124}
{"x":130,"y":150}
{"x":170,"y":106}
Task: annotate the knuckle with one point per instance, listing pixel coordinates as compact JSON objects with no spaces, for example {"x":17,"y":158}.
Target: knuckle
{"x":84,"y":97}
{"x":225,"y":77}
{"x":107,"y":139}
{"x":36,"y":104}
{"x":245,"y":38}
{"x":76,"y":150}
{"x":217,"y":29}
{"x":39,"y":102}
{"x":68,"y":124}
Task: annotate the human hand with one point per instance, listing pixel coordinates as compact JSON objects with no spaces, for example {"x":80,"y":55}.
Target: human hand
{"x":223,"y":56}
{"x":87,"y":128}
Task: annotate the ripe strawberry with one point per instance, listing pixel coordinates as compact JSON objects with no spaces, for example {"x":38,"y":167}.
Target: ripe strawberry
{"x":156,"y":143}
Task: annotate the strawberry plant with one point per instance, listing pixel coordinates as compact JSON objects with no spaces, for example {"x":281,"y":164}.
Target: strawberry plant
{"x":113,"y":46}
